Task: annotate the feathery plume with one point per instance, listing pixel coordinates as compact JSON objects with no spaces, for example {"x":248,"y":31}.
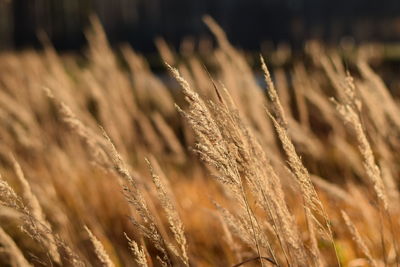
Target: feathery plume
{"x":99,"y":250}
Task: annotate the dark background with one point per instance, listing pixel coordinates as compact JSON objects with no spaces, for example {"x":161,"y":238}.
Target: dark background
{"x":247,"y":22}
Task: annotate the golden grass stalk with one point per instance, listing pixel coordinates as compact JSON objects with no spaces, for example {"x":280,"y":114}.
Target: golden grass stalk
{"x":261,"y":177}
{"x":138,"y":252}
{"x":165,"y":51}
{"x":99,"y":250}
{"x":273,"y":96}
{"x":300,"y":172}
{"x":296,"y":166}
{"x":349,"y":113}
{"x":91,"y":140}
{"x":36,"y":211}
{"x":214,"y":150}
{"x":135,"y":197}
{"x":175,"y":223}
{"x":34,"y":228}
{"x":105,"y":155}
{"x":218,"y":33}
{"x":358,"y":239}
{"x":8,"y":247}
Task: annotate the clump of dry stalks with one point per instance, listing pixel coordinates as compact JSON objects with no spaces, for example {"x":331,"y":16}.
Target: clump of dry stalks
{"x":298,"y":171}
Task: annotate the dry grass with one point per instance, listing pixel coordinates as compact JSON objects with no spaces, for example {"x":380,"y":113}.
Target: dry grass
{"x":200,"y":170}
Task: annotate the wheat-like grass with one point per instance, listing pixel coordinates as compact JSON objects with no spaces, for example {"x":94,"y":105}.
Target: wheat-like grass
{"x":138,"y":252}
{"x":349,"y":112}
{"x":99,"y":250}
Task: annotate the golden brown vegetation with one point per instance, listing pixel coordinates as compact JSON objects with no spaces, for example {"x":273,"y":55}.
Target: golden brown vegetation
{"x":105,"y":163}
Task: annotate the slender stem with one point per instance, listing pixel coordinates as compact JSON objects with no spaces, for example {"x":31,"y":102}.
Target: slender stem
{"x":274,"y":226}
{"x":251,"y":222}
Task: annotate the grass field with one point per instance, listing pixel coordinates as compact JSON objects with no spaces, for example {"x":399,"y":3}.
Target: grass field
{"x":103,"y":163}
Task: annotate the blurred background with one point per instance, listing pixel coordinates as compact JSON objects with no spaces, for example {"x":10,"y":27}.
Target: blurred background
{"x":248,"y":23}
